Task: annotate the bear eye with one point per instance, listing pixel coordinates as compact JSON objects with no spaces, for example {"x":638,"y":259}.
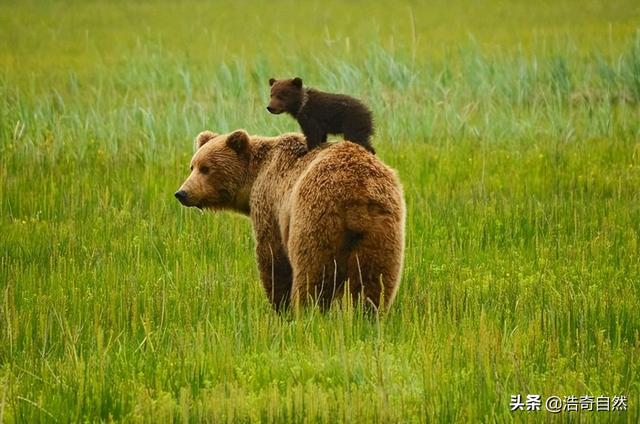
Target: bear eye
{"x":191,"y":167}
{"x":204,"y":169}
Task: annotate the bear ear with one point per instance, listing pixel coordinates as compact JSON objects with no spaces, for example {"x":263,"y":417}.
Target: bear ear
{"x":238,"y":141}
{"x":272,"y":81}
{"x":203,"y":137}
{"x":297,"y":81}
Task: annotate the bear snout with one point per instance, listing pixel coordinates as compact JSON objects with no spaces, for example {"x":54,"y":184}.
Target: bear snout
{"x":273,"y":110}
{"x":182,"y":196}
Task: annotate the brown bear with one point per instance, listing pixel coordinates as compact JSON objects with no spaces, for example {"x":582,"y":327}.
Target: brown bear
{"x":333,"y":215}
{"x":320,"y":113}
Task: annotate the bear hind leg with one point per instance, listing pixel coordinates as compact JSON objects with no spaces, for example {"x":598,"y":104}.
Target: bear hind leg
{"x":318,"y":263}
{"x":361,"y":136}
{"x":373,"y":270}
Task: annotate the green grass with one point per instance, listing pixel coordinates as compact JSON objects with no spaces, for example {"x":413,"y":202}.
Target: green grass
{"x":516,"y":132}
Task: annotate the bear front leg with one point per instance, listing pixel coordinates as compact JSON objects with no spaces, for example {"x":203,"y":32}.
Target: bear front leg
{"x":275,"y":274}
{"x":313,"y":132}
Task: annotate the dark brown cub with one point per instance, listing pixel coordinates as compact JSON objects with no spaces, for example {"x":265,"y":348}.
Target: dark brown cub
{"x":320,"y":113}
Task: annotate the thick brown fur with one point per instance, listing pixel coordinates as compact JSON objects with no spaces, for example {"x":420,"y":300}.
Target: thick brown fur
{"x":320,"y":113}
{"x":332,"y":216}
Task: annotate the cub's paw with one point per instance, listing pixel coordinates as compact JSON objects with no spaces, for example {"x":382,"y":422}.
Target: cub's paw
{"x":299,"y":149}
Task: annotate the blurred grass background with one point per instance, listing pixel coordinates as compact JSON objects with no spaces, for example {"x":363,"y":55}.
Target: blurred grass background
{"x":514,"y":127}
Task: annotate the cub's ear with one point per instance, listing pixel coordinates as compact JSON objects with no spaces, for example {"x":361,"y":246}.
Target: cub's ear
{"x":272,"y":81}
{"x":203,"y":137}
{"x":238,"y":141}
{"x":297,"y":81}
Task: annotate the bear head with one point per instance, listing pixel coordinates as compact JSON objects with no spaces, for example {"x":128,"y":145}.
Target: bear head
{"x":219,"y":171}
{"x":286,"y":95}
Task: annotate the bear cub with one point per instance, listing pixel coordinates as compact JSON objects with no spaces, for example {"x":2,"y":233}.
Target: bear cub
{"x":320,"y":113}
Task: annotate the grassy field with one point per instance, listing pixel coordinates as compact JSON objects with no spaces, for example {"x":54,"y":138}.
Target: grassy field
{"x":515,"y":128}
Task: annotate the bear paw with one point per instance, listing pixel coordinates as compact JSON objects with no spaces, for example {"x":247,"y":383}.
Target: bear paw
{"x":299,"y":149}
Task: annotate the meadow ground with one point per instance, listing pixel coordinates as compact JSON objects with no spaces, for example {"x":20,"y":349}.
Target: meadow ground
{"x":515,"y":128}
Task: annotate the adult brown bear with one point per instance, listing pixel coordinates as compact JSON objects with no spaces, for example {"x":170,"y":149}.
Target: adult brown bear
{"x":332,"y":216}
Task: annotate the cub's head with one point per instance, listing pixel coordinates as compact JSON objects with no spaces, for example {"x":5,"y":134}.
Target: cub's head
{"x":286,"y":95}
{"x":219,"y":172}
